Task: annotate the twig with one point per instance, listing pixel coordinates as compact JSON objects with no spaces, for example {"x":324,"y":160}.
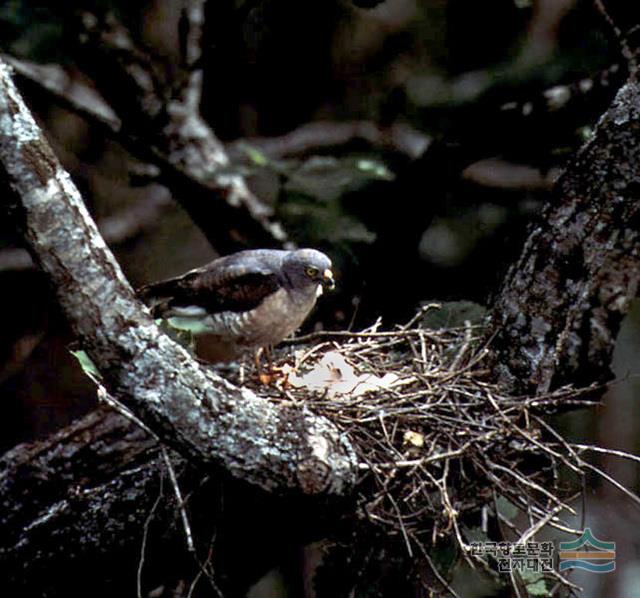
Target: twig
{"x":434,"y":570}
{"x":606,"y":451}
{"x":625,"y":50}
{"x":143,"y":547}
{"x":632,"y":495}
{"x":181,"y":506}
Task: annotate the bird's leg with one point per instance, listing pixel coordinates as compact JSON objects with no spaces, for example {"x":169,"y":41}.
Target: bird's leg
{"x":272,"y":372}
{"x":268,"y":351}
{"x":190,"y":339}
{"x":257,"y":357}
{"x":264,"y":378}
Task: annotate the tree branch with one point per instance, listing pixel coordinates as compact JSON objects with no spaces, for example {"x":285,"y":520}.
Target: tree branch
{"x":81,"y":99}
{"x":121,"y":227}
{"x":317,"y":136}
{"x":195,"y":411}
{"x":560,"y":308}
{"x":164,"y":123}
{"x":193,"y":19}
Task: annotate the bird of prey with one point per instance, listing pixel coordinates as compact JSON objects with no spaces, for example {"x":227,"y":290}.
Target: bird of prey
{"x":247,"y":300}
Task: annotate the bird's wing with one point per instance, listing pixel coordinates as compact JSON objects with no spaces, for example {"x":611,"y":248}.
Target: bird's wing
{"x":220,"y":286}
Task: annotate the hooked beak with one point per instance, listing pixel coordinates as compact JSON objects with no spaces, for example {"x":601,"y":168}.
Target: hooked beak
{"x":327,"y":280}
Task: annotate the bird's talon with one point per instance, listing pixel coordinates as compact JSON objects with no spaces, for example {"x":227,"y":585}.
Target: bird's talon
{"x":275,"y":374}
{"x":265,"y":379}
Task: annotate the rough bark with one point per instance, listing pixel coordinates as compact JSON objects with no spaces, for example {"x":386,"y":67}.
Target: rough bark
{"x":87,"y":510}
{"x":81,"y":487}
{"x":200,"y":414}
{"x":560,"y":308}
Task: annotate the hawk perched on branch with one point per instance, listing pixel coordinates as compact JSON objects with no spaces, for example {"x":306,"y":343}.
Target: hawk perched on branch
{"x":247,"y":300}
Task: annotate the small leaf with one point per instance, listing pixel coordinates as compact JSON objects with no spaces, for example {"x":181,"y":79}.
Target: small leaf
{"x":256,"y":156}
{"x":535,"y":583}
{"x":506,"y":508}
{"x":88,"y":367}
{"x":374,"y":168}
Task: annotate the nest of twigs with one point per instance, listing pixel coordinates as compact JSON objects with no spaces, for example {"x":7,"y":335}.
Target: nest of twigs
{"x":439,"y":443}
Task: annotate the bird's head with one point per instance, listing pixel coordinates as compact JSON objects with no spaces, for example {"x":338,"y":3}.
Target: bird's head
{"x":309,"y":267}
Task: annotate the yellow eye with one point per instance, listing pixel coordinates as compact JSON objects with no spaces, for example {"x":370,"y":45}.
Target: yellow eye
{"x":311,"y":272}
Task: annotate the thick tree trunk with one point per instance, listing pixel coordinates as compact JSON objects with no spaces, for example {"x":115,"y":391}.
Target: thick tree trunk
{"x":559,"y":310}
